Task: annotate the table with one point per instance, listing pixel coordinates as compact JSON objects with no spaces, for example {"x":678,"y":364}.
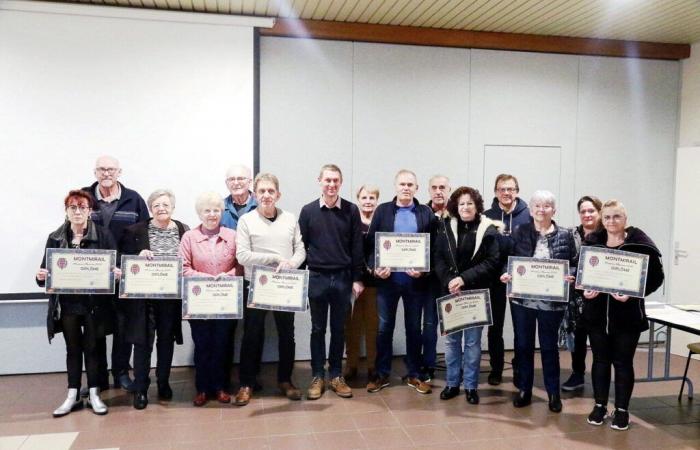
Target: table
{"x":670,"y":317}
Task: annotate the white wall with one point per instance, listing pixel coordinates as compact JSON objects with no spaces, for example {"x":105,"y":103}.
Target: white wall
{"x":437,"y":110}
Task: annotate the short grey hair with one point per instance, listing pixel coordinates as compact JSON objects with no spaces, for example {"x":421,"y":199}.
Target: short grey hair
{"x":210,"y":198}
{"x":544,"y":196}
{"x":159,"y":193}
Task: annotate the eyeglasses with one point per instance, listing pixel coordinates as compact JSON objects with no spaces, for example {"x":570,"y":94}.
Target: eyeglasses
{"x":508,"y":190}
{"x":614,"y":218}
{"x":109,"y":170}
{"x":76,"y":208}
{"x":237,"y":179}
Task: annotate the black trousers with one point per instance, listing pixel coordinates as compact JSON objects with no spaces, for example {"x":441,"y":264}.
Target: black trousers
{"x":578,"y":356}
{"x":495,"y":331}
{"x":614,"y":349}
{"x":78,"y":347}
{"x":254,"y":341}
{"x":121,"y":350}
{"x":163,"y":316}
{"x":209,"y":338}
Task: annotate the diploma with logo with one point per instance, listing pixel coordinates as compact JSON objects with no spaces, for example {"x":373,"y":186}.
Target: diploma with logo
{"x":209,"y":298}
{"x":157,"y":277}
{"x":612,"y":271}
{"x":468,"y":309}
{"x":402,"y":251}
{"x":78,"y":271}
{"x":286,"y":290}
{"x":538,"y":279}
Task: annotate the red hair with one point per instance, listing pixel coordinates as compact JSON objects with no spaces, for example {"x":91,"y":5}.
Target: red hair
{"x":79,"y":195}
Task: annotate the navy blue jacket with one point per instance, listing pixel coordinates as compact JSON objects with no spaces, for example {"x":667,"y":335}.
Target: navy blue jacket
{"x":130,"y":209}
{"x":511,"y":221}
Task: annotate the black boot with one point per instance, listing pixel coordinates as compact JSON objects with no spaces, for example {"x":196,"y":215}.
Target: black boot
{"x":555,"y":402}
{"x":522,"y":398}
{"x":140,"y":400}
{"x":472,"y":396}
{"x":449,"y":392}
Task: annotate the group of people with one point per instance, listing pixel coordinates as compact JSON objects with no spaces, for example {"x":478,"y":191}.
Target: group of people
{"x":334,"y":239}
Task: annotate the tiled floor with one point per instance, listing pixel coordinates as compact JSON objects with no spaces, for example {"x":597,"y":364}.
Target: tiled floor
{"x":397,"y":417}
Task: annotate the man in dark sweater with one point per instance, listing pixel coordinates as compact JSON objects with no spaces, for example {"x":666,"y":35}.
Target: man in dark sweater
{"x":117,"y":207}
{"x":332,"y":234}
{"x":513,"y":212}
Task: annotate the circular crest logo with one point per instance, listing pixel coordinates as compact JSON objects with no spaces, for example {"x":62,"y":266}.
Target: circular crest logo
{"x":593,"y":261}
{"x":135,"y":269}
{"x":521,"y":270}
{"x":387,"y":244}
{"x":62,"y":263}
{"x":448,"y":308}
{"x":263,"y":280}
{"x":196,"y":290}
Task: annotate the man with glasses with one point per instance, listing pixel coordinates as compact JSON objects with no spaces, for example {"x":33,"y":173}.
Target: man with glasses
{"x":241,"y":200}
{"x":439,"y":189}
{"x":116,"y":207}
{"x":513,"y":212}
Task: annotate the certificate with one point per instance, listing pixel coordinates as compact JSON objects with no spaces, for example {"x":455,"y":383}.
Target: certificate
{"x":538,"y":279}
{"x":468,"y":309}
{"x":157,"y":277}
{"x":612,"y":271}
{"x":77,"y":271}
{"x":286,"y":290}
{"x":402,"y":251}
{"x":207,"y":298}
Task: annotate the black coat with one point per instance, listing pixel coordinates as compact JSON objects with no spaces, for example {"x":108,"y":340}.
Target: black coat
{"x":603,"y":311}
{"x":99,"y":321}
{"x":135,"y":239}
{"x":483,"y":264}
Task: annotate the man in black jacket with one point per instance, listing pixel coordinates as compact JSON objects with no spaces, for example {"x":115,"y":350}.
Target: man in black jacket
{"x":401,"y":215}
{"x":513,"y":212}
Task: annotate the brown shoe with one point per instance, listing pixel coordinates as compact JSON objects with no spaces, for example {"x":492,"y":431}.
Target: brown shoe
{"x":316,"y":389}
{"x":340,"y":387}
{"x":377,"y":384}
{"x":243,"y":396}
{"x":223,"y":397}
{"x":420,"y":386}
{"x":200,"y":399}
{"x":290,"y":391}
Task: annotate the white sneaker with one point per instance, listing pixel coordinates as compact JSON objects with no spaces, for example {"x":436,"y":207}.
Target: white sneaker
{"x":72,"y":402}
{"x":95,"y":402}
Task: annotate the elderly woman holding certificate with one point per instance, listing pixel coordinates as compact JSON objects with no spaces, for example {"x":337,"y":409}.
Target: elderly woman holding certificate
{"x":615,"y":321}
{"x":209,"y":250}
{"x":146,"y":318}
{"x":267,"y":236}
{"x":465,"y":257}
{"x":541,"y":238}
{"x":83,"y":318}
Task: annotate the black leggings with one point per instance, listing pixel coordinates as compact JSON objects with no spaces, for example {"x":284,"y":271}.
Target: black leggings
{"x":616,"y":349}
{"x":77,"y":346}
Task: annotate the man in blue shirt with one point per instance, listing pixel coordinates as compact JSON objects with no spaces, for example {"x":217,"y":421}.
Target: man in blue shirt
{"x":401,"y":215}
{"x":240,"y":201}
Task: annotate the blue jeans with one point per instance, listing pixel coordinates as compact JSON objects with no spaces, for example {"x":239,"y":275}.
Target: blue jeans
{"x":332,"y":291}
{"x":467,"y":360}
{"x":525,"y":322}
{"x":388,"y":295}
{"x":429,"y":337}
